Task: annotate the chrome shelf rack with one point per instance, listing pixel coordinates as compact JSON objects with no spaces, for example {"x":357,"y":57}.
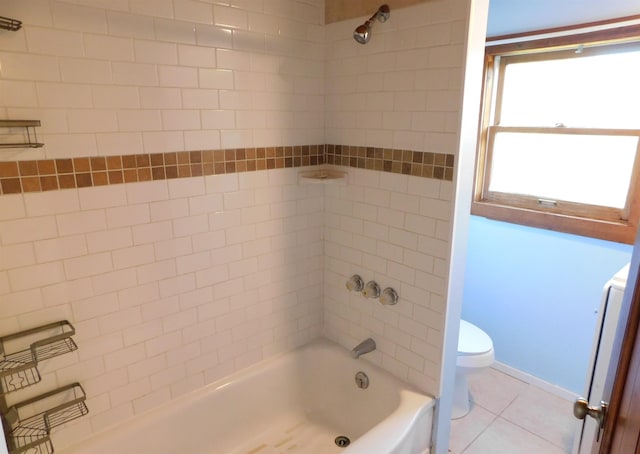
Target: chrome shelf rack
{"x":19,"y":365}
{"x":29,"y":428}
{"x":12,"y":25}
{"x":29,"y":133}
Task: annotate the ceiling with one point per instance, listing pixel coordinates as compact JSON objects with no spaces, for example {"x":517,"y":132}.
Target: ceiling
{"x":513,"y":16}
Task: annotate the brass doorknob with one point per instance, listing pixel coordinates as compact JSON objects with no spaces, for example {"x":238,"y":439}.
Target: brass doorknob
{"x":581,"y":410}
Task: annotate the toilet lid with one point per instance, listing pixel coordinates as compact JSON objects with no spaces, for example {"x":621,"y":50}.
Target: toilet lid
{"x":472,"y":340}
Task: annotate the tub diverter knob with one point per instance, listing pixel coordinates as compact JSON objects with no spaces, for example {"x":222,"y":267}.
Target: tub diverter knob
{"x":355,"y":283}
{"x":371,"y":290}
{"x":389,"y":297}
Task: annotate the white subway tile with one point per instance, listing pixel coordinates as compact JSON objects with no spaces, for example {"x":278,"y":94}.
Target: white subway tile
{"x":151,"y":233}
{"x":36,"y":276}
{"x":146,"y":367}
{"x":118,"y":321}
{"x":88,"y":265}
{"x":82,"y":70}
{"x":99,"y":346}
{"x":211,"y":276}
{"x":230,"y":17}
{"x":177,"y":285}
{"x":20,"y":303}
{"x":138,"y":295}
{"x":102,"y":197}
{"x":168,"y":209}
{"x":193,"y":11}
{"x":174,"y":31}
{"x":209,"y":241}
{"x":63,"y":95}
{"x":160,"y":98}
{"x":163,"y":343}
{"x":215,"y":78}
{"x":139,"y":120}
{"x":199,"y":98}
{"x":155,"y":52}
{"x":168,"y":376}
{"x":133,"y":256}
{"x":49,"y":41}
{"x":109,"y":240}
{"x":173,"y":247}
{"x":67,"y":291}
{"x":15,"y":93}
{"x":113,"y":97}
{"x":193,"y":262}
{"x":211,"y":36}
{"x":177,"y":76}
{"x":95,"y":306}
{"x":156,"y":8}
{"x":191,"y":225}
{"x":202,"y":140}
{"x":182,"y":354}
{"x":19,"y":255}
{"x":104,"y":382}
{"x":88,"y":121}
{"x":130,"y":25}
{"x":124,"y":357}
{"x":127,"y":393}
{"x":125,"y":73}
{"x":81,"y":222}
{"x":53,"y":249}
{"x":108,"y":47}
{"x":156,"y":271}
{"x":202,"y":57}
{"x":113,"y":281}
{"x":142,"y":332}
{"x":147,"y":192}
{"x":162,"y":142}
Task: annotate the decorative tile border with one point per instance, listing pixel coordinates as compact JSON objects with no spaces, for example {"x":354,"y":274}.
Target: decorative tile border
{"x":416,"y":163}
{"x":52,"y":174}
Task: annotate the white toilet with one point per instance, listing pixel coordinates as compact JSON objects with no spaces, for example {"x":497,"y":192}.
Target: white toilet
{"x":475,"y":352}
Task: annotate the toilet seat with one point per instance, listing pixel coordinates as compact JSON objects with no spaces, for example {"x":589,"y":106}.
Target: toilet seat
{"x":475,"y":348}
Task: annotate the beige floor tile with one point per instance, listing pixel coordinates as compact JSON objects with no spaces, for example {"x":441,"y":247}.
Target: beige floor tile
{"x":494,"y":390}
{"x":467,"y":429}
{"x":543,"y":414}
{"x":503,"y":437}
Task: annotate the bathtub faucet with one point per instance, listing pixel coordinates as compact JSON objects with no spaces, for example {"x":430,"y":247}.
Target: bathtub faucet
{"x":366,"y":346}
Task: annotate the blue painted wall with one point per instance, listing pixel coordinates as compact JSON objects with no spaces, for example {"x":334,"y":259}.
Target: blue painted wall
{"x":535,"y":292}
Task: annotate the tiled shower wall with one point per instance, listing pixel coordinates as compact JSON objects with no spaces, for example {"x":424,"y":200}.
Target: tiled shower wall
{"x":402,"y":90}
{"x":172,"y":283}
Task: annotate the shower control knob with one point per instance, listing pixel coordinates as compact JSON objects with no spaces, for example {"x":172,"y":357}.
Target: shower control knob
{"x":371,"y":290}
{"x":389,"y":297}
{"x":355,"y":283}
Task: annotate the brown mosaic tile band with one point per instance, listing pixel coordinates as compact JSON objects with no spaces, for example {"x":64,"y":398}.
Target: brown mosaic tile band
{"x":52,"y":174}
{"x":416,"y":163}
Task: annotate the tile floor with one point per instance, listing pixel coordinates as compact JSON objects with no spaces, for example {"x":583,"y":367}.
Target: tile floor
{"x":512,"y":417}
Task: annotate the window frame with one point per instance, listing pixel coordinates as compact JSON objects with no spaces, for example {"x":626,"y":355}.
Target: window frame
{"x":587,"y":220}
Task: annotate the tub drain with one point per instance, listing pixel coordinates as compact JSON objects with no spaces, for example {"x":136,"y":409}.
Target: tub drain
{"x":342,"y":441}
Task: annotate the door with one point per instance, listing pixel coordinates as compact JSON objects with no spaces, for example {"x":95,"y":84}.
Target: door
{"x":622,"y":385}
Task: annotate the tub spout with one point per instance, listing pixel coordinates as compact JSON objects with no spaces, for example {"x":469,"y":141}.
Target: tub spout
{"x":366,"y":346}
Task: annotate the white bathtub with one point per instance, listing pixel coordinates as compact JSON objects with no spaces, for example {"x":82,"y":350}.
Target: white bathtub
{"x":295,"y":403}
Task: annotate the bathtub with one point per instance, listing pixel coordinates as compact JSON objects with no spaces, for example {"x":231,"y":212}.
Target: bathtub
{"x":299,"y":402}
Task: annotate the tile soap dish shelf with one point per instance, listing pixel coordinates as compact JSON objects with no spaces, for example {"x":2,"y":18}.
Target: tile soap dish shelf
{"x":30,"y":426}
{"x":322,"y":175}
{"x":20,"y":353}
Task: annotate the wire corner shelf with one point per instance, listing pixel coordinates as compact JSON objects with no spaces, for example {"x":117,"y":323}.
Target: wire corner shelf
{"x":19,"y":365}
{"x":29,"y":428}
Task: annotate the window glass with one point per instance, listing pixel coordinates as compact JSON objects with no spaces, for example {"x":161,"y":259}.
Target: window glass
{"x":589,"y":169}
{"x":598,"y":91}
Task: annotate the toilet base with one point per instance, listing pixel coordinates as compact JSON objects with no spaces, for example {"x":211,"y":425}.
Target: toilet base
{"x":461,"y":398}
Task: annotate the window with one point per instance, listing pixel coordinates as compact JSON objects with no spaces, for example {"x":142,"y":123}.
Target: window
{"x":561,"y":137}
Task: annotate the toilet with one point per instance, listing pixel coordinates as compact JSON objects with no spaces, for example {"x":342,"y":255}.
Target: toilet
{"x":475,"y":352}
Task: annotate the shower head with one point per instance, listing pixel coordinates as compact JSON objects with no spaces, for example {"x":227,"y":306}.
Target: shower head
{"x":362,"y":33}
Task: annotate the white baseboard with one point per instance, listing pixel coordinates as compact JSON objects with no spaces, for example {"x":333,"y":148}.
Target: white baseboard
{"x":556,"y":390}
